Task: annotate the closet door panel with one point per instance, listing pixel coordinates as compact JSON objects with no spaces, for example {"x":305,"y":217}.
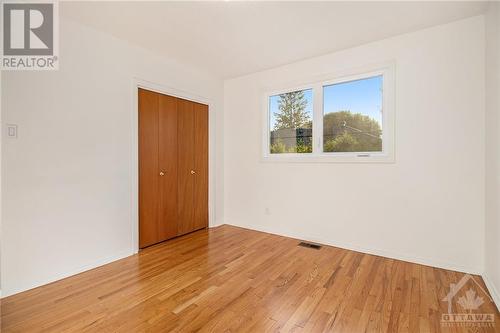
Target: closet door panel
{"x":185,"y":158}
{"x":167,"y":141}
{"x":148,"y":168}
{"x":201,"y":166}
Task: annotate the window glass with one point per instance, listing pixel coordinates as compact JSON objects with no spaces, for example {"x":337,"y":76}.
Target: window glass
{"x":290,"y":122}
{"x":352,"y":116}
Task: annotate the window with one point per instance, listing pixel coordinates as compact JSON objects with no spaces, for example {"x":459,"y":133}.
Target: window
{"x":291,"y":122}
{"x":341,"y":120}
{"x":352,"y":118}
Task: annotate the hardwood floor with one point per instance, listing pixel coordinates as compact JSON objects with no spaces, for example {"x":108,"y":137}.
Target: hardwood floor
{"x":232,"y":279}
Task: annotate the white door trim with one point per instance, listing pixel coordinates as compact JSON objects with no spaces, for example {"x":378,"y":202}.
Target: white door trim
{"x":140,"y":83}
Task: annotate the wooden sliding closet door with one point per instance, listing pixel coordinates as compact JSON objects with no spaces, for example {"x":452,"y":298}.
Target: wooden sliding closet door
{"x":173,"y":167}
{"x":157,"y":167}
{"x":186,"y":172}
{"x":201,"y":165}
{"x":148,"y":168}
{"x":193,"y":166}
{"x":167,"y":151}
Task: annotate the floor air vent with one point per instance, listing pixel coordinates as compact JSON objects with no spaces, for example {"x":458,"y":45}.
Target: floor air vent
{"x":310,"y":245}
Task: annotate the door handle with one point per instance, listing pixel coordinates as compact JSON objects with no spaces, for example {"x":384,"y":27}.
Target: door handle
{"x":162,"y":173}
{"x":193,"y":172}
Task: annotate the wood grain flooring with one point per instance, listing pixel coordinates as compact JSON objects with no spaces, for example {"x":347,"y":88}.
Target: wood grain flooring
{"x":229,"y":279}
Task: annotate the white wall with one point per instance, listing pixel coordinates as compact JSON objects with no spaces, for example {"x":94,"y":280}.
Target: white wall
{"x":427,"y":207}
{"x":67,"y":179}
{"x":492,"y":252}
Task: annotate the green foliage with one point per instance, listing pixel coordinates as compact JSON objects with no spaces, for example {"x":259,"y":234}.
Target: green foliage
{"x":279,"y":147}
{"x":342,"y":143}
{"x":302,"y":148}
{"x":345,"y":131}
{"x":291,"y":112}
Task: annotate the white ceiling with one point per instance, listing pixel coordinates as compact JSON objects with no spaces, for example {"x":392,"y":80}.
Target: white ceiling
{"x":230,"y":39}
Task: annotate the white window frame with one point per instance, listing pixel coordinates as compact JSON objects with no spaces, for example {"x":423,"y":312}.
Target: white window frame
{"x":317,"y":155}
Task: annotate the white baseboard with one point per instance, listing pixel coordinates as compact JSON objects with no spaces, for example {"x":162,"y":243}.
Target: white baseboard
{"x":492,"y":289}
{"x":65,"y":274}
{"x":216,"y":224}
{"x":372,"y":251}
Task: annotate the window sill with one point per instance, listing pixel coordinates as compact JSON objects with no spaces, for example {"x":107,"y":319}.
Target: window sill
{"x":329,"y":158}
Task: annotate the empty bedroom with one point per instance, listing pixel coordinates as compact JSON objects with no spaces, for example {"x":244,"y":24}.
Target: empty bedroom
{"x":250,"y":166}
